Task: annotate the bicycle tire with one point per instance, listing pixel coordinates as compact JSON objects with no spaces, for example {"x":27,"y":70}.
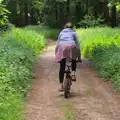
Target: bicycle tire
{"x":66,"y":84}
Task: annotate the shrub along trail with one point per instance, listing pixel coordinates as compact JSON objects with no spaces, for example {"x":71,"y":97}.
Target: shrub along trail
{"x":91,"y":97}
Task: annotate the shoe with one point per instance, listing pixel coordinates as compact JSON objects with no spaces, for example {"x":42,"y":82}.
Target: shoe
{"x":73,"y":78}
{"x":61,"y":89}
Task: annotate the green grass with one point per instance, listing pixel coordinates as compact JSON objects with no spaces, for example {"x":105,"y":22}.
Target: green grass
{"x":47,"y":32}
{"x":102,"y":47}
{"x":69,"y":111}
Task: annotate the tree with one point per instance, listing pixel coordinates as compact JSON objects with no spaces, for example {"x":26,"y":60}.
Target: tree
{"x":112,"y":7}
{"x":55,"y":12}
{"x":24,"y":12}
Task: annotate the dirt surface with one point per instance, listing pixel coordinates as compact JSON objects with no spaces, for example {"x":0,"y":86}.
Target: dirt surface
{"x":91,"y":98}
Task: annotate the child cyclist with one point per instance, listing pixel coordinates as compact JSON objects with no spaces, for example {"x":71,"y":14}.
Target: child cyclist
{"x":67,"y":46}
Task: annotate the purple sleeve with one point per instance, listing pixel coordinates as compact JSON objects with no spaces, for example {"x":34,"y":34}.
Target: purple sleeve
{"x":78,"y":45}
{"x":77,"y":40}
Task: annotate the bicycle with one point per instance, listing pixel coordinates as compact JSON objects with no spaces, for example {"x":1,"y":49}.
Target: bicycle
{"x":68,"y":79}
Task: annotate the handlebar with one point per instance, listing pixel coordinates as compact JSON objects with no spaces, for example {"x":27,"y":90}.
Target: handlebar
{"x":79,"y":61}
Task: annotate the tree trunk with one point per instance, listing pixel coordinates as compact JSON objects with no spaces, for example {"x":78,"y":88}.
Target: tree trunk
{"x":103,"y":9}
{"x":114,"y":21}
{"x":106,"y":11}
{"x":26,"y":13}
{"x":56,"y":11}
{"x":95,"y":11}
{"x":68,"y":11}
{"x":78,"y":12}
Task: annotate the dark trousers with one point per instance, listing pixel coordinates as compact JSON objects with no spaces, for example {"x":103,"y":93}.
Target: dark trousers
{"x":62,"y":69}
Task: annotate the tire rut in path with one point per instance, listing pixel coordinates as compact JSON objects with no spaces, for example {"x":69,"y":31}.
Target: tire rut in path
{"x":91,"y":97}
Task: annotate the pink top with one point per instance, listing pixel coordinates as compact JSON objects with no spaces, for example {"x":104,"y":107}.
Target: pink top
{"x":65,"y":51}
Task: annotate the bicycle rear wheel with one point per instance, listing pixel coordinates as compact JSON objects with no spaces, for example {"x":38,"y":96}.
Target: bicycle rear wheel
{"x":67,"y":88}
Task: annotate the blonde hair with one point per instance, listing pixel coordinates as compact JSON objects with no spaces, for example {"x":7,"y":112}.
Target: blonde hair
{"x":68,"y":25}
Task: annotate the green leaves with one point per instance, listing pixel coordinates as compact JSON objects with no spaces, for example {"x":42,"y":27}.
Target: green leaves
{"x":3,"y":14}
{"x":61,"y":0}
{"x":91,"y":21}
{"x":15,"y":72}
{"x":18,"y":48}
{"x":102,"y":47}
{"x":29,"y":37}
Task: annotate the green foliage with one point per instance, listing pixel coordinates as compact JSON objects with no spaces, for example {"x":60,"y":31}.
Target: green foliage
{"x":54,"y":13}
{"x":34,"y":40}
{"x":91,"y":21}
{"x":15,"y":76}
{"x":107,"y":63}
{"x":45,"y":31}
{"x":57,"y":12}
{"x":18,"y":48}
{"x":3,"y":16}
{"x":102,"y":47}
{"x":68,"y":110}
{"x":118,"y":12}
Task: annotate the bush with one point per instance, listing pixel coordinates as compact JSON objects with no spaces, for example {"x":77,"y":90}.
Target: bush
{"x":34,"y":40}
{"x":6,"y":27}
{"x":15,"y":76}
{"x":3,"y":16}
{"x":102,"y":47}
{"x":18,"y":50}
{"x":91,"y":21}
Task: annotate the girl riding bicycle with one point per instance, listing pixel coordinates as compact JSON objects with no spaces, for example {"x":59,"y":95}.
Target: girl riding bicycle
{"x":67,"y":46}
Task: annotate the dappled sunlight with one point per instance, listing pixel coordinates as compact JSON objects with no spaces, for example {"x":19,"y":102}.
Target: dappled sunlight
{"x":49,"y":53}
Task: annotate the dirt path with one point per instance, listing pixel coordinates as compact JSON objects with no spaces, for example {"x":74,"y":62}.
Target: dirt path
{"x":91,"y":98}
